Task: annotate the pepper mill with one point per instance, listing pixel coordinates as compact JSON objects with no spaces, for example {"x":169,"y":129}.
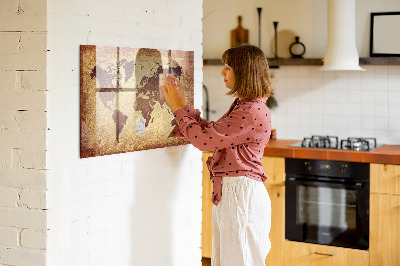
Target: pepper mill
{"x":259,"y":9}
{"x":276,"y":38}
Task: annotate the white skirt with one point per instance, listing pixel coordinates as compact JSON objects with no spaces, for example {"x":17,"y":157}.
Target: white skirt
{"x":241,"y":223}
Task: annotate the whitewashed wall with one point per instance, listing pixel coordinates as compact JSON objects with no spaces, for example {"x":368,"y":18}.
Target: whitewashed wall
{"x":311,"y":102}
{"x":22,"y":133}
{"x":139,"y":208}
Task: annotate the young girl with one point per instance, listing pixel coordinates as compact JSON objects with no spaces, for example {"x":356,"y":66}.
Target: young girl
{"x":242,"y":209}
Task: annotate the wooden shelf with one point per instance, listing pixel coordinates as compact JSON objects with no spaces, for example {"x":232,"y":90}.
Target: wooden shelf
{"x":273,"y":63}
{"x":212,"y":62}
{"x":380,"y":61}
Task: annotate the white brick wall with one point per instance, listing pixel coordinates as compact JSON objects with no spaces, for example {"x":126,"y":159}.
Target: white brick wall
{"x":23,"y":218}
{"x":9,"y":237}
{"x":23,"y":132}
{"x":8,"y":197}
{"x":99,"y":208}
{"x":11,"y":256}
{"x":23,"y":178}
{"x":139,"y":208}
{"x":34,"y":239}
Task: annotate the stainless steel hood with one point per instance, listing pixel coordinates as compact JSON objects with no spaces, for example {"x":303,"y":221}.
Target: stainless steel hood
{"x":341,"y":51}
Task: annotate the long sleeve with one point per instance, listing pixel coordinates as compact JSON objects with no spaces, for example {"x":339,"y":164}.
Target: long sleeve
{"x":230,"y":131}
{"x":193,"y":113}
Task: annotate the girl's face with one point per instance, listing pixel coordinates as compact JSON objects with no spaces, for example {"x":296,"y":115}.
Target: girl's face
{"x":229,"y":76}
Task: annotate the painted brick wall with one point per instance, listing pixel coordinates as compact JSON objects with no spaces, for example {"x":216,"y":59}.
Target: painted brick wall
{"x":23,"y":132}
{"x":139,"y":208}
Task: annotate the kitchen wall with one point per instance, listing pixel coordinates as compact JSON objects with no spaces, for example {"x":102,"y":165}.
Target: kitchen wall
{"x":23,"y":214}
{"x":138,"y":208}
{"x":343,"y":103}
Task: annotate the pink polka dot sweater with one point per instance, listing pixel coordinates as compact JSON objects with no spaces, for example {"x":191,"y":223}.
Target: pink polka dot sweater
{"x":238,"y":139}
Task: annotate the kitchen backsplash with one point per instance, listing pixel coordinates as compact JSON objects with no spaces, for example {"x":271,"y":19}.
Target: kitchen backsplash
{"x":314,"y":102}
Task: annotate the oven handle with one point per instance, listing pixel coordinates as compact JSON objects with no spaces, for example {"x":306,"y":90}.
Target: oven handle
{"x":357,"y":185}
{"x":324,"y":254}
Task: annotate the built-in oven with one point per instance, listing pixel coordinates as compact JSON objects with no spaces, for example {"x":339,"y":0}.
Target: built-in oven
{"x":327,"y":202}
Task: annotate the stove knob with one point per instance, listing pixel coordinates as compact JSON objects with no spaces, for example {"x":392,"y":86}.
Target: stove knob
{"x":343,"y":168}
{"x":308,"y":166}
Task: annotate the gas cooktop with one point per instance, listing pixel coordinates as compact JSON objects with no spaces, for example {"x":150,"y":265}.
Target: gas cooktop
{"x":332,"y":142}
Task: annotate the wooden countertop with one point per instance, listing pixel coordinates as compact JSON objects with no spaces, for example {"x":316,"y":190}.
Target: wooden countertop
{"x":389,"y":154}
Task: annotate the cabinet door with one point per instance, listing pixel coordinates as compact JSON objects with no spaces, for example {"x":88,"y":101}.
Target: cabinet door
{"x":304,"y":254}
{"x":277,"y":233}
{"x":206,"y":225}
{"x":274,"y":168}
{"x":384,"y":230}
{"x":385,"y":178}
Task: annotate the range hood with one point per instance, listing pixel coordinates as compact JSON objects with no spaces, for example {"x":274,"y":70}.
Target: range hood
{"x":341,"y":51}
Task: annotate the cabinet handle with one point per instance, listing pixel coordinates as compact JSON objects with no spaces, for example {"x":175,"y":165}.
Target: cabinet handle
{"x":324,"y":254}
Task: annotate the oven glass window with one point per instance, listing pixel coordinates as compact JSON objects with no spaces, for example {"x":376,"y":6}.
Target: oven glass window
{"x":326,"y":207}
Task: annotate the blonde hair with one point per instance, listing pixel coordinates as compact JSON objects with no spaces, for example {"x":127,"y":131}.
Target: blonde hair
{"x":250,"y":66}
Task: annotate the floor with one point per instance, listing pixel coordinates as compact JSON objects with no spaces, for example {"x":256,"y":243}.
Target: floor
{"x":206,"y":261}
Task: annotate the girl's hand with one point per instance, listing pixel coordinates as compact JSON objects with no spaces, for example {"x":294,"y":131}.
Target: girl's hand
{"x":172,"y":95}
{"x":181,"y":92}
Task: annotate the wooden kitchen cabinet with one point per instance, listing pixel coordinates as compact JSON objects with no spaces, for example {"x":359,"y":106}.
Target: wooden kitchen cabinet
{"x":385,"y":215}
{"x":274,"y":168}
{"x":277,"y":233}
{"x":384,"y":236}
{"x":385,"y":178}
{"x":305,"y":254}
{"x":206,"y":225}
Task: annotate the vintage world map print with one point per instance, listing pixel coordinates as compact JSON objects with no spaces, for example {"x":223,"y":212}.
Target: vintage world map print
{"x":122,"y":108}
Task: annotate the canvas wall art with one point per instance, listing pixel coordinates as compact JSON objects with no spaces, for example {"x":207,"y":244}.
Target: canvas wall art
{"x":122,"y":108}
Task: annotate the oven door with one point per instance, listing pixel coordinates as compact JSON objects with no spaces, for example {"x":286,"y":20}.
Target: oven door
{"x":327,"y":213}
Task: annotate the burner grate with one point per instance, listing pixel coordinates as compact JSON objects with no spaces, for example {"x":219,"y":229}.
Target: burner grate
{"x":327,"y":142}
{"x":332,"y":142}
{"x":358,"y":144}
